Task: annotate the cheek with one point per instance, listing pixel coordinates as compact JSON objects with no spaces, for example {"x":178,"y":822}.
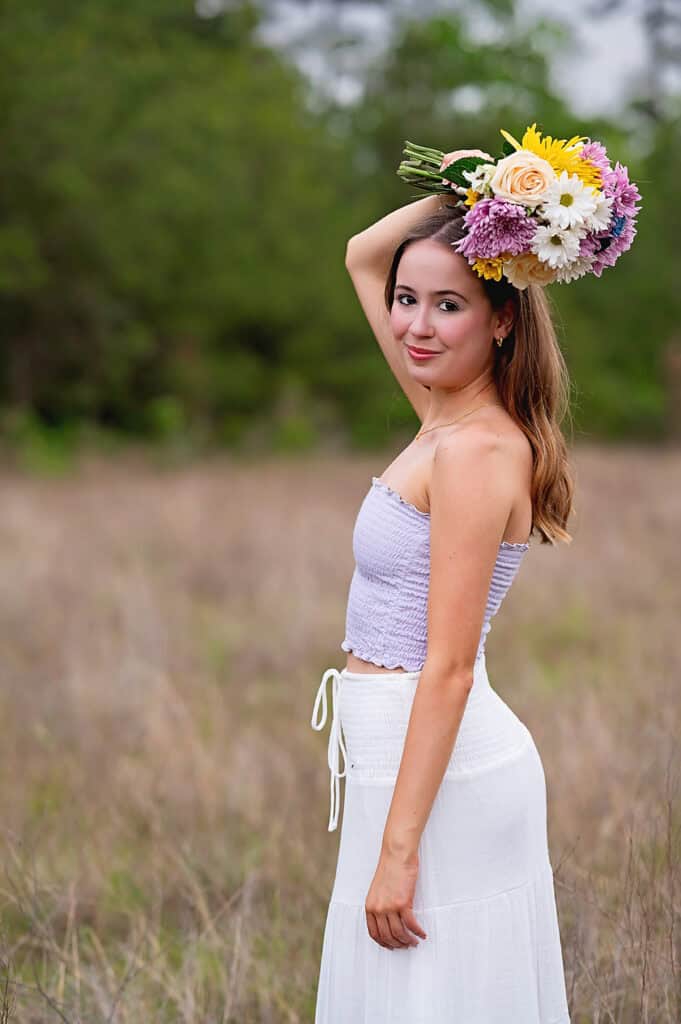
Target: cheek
{"x":458,"y":328}
{"x":399,"y":319}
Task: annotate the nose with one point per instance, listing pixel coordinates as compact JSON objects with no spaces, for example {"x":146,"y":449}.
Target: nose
{"x":420,"y":326}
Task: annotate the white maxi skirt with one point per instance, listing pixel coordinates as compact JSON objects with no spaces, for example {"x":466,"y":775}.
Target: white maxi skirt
{"x":484,"y":893}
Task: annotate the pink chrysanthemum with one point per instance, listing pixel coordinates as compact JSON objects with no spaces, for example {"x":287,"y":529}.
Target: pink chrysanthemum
{"x":595,"y":153}
{"x":496,"y":227}
{"x":624,"y":192}
{"x":618,"y":244}
{"x":607,"y":246}
{"x":589,"y":245}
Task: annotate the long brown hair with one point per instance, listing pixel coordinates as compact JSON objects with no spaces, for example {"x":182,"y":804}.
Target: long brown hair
{"x":530,"y":374}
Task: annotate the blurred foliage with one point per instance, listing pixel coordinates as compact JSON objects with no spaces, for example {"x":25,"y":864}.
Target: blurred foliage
{"x":175,"y":209}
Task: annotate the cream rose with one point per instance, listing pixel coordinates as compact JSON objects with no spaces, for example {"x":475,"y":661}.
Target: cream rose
{"x":523,"y":177}
{"x":526,"y":269}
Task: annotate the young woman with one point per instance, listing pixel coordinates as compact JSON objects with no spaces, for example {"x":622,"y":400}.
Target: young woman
{"x":443,"y":908}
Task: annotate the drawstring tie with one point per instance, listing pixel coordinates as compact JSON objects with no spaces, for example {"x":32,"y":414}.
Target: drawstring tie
{"x":336,"y":743}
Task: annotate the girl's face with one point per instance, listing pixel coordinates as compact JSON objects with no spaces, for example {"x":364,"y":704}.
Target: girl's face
{"x":440,"y":305}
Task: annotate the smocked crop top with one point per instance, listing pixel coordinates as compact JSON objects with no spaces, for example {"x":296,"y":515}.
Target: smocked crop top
{"x":387,"y":611}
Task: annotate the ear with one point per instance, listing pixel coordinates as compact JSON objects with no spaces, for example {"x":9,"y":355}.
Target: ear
{"x":506,"y":316}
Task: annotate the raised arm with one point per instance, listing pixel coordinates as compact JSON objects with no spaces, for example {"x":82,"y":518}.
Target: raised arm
{"x":373,"y":248}
{"x":368,"y":258}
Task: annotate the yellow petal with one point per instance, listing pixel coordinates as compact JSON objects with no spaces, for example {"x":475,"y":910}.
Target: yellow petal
{"x":509,"y":138}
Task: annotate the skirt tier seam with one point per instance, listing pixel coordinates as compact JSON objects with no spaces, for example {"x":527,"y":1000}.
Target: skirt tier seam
{"x":537,"y":877}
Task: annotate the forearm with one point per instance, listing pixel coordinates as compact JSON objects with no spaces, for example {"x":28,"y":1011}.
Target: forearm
{"x":436,"y":713}
{"x":374,"y":247}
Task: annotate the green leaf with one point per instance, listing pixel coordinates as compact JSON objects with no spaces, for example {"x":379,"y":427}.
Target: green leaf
{"x":455,"y":170}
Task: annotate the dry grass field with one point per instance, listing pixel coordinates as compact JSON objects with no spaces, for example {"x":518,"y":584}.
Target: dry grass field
{"x":164,"y":800}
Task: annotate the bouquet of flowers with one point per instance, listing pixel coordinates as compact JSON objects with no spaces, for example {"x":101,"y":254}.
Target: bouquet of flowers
{"x":546,"y":210}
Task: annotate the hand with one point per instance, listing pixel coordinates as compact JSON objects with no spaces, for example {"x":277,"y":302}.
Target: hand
{"x":389,"y":903}
{"x":457,"y":154}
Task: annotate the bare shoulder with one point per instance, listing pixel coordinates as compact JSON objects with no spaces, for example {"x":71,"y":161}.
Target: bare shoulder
{"x":493,"y":430}
{"x":492,"y":444}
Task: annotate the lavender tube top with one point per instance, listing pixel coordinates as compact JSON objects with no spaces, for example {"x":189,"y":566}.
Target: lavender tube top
{"x":387,"y":612}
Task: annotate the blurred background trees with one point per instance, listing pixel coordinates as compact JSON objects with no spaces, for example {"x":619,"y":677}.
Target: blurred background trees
{"x":177,"y":196}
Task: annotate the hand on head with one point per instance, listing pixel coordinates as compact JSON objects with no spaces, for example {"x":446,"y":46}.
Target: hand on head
{"x":457,"y":154}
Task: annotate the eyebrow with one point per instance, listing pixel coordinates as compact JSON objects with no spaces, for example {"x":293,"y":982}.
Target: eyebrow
{"x":443,"y":291}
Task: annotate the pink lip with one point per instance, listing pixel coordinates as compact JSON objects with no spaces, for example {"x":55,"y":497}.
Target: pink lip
{"x":420,"y":353}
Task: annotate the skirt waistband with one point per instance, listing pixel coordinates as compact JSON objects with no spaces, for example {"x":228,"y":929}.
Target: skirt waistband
{"x":481,"y":681}
{"x":374,"y":686}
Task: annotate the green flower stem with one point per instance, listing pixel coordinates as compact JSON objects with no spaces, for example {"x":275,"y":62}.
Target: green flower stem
{"x":422,"y":172}
{"x":431,"y":157}
{"x":418,"y":165}
{"x":418,"y":158}
{"x":425,"y":150}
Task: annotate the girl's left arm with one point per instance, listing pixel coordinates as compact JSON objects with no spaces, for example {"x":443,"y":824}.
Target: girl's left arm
{"x":471,"y":497}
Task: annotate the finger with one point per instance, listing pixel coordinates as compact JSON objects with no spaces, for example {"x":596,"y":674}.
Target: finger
{"x":384,"y":930}
{"x":398,"y":931}
{"x":458,"y":154}
{"x":450,"y":158}
{"x":412,"y":924}
{"x":373,"y":929}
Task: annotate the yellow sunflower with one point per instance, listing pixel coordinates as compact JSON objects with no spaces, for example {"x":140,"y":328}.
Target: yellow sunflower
{"x":562,"y":154}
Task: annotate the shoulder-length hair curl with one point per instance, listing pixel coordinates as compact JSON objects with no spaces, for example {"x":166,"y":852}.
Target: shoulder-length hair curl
{"x":530,"y":374}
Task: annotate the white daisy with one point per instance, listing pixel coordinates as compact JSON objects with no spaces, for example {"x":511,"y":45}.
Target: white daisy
{"x":480,"y":178}
{"x":568,"y":201}
{"x":575,"y":269}
{"x":556,"y":246}
{"x":600,"y":218}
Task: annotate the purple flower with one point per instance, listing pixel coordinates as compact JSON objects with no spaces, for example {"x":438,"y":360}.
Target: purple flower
{"x":608,"y":245}
{"x":624,"y":192}
{"x":495,"y":227}
{"x":615,"y":246}
{"x":595,"y":153}
{"x":589,"y":245}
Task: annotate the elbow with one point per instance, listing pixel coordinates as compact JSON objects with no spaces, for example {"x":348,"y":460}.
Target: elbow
{"x":452,"y":678}
{"x":350,"y":252}
{"x":356,"y":255}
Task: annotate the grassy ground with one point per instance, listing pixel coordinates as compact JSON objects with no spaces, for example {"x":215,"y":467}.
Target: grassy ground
{"x":164,"y":801}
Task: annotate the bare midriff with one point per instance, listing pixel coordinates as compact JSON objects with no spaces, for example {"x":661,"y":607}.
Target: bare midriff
{"x":355,"y":664}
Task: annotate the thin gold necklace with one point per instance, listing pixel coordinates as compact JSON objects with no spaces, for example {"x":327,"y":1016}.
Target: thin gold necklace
{"x":437,"y":425}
